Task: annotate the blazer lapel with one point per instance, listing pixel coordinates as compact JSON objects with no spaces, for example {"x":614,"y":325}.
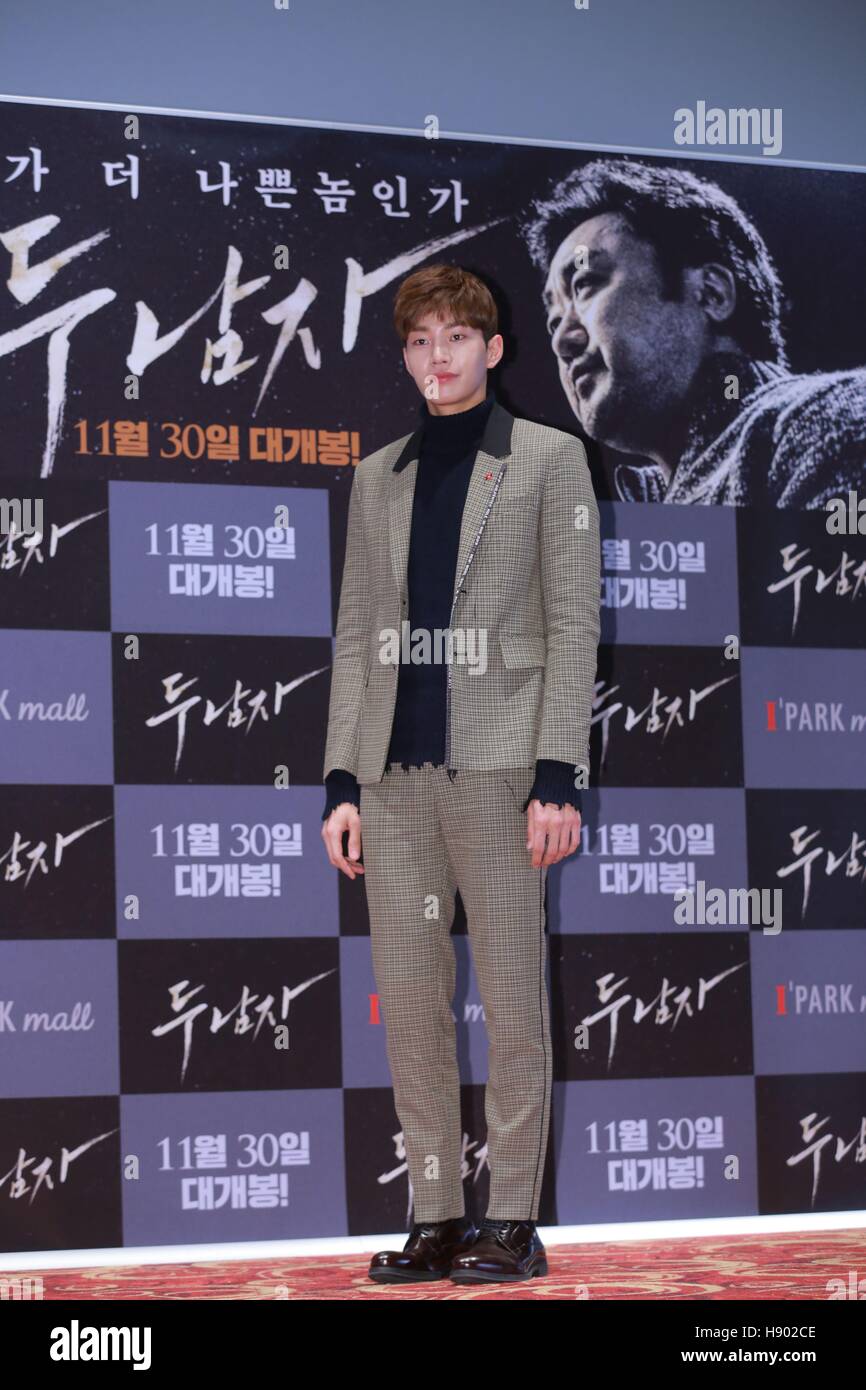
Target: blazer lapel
{"x":488,"y":471}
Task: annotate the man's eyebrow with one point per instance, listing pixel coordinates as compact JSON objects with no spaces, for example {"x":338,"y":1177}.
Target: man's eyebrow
{"x":425,"y":328}
{"x":598,"y":259}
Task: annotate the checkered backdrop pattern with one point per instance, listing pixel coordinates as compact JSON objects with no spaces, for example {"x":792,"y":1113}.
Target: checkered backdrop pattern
{"x":191,"y":1045}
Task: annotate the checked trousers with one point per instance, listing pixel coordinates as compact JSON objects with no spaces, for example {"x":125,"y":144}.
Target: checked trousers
{"x":422,"y":836}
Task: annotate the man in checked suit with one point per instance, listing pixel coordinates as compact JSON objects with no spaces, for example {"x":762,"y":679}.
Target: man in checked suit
{"x":461,"y":696}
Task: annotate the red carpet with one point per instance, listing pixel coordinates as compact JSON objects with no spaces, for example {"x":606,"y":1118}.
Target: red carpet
{"x":771,"y":1267}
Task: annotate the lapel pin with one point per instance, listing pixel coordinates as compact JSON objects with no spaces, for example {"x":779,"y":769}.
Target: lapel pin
{"x":487,"y":477}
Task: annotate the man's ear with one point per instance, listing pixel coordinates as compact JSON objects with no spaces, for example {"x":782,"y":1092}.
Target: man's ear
{"x":497,"y":345}
{"x":716,"y":290}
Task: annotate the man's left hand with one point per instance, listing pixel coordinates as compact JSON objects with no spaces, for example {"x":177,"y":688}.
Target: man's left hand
{"x":557,"y":827}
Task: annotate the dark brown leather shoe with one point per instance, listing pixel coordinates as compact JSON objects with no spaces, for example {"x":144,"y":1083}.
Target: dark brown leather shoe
{"x":504,"y":1252}
{"x":427,"y":1254}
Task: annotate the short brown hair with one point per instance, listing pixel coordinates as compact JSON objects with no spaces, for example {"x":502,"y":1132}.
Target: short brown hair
{"x":445,"y":289}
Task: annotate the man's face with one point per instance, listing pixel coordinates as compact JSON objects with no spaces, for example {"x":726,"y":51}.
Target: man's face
{"x":626,"y":355}
{"x":449,"y":361}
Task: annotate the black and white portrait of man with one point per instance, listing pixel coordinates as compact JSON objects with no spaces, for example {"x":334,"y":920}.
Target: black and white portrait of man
{"x":663,"y":308}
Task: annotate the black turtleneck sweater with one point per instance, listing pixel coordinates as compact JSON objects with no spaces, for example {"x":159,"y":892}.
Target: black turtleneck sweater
{"x":449,"y":446}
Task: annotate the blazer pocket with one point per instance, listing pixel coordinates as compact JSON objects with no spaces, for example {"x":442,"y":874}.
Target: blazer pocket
{"x":525,"y":500}
{"x":523,"y":648}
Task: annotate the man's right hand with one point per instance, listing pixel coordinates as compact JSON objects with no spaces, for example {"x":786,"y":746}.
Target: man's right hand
{"x":344,"y":817}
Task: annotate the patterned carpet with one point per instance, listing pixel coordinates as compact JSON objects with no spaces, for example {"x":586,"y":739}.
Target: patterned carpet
{"x":769,"y":1267}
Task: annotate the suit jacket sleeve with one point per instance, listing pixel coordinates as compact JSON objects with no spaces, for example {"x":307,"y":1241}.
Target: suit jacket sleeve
{"x":351,"y":647}
{"x":570,"y":568}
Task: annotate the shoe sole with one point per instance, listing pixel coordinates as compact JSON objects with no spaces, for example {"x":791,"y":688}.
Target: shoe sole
{"x":478,"y":1276}
{"x":395,"y":1276}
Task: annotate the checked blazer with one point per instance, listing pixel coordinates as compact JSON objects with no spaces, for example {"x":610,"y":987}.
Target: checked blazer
{"x":528,"y":576}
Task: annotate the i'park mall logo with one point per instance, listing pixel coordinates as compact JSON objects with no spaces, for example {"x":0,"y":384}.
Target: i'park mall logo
{"x":804,"y":719}
{"x":815,"y":716}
